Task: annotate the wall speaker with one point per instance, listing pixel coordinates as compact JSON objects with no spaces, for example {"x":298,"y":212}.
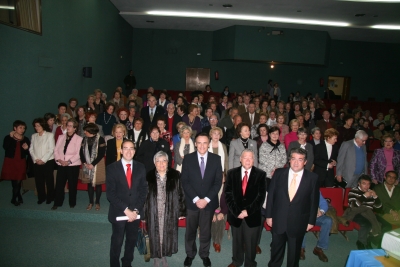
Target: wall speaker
{"x":87,"y":72}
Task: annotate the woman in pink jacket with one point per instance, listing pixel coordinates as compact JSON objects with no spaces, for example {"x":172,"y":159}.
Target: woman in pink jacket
{"x":66,"y":155}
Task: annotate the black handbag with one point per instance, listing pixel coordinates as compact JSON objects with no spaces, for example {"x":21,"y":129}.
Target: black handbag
{"x":342,"y":184}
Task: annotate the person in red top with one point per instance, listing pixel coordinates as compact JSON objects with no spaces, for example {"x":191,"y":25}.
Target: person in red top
{"x":172,"y":119}
{"x":14,"y":166}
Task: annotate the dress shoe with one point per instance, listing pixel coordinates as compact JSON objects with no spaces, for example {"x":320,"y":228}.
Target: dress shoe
{"x":15,"y":203}
{"x":188,"y":262}
{"x":320,"y":253}
{"x":302,"y":254}
{"x":217,"y":247}
{"x":360,"y":246}
{"x":89,"y":207}
{"x":40,"y":201}
{"x":54,"y":208}
{"x":49,"y":201}
{"x":258,"y":250}
{"x":231,"y":265}
{"x":72,"y":206}
{"x":206,"y":262}
{"x":97,"y":206}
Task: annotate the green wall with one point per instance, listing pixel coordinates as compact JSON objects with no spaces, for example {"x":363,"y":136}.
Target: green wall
{"x":76,"y":34}
{"x":160,"y":59}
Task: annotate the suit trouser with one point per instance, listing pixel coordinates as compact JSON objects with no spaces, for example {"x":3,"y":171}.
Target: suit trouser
{"x":44,"y":179}
{"x":244,"y":242}
{"x":64,"y":174}
{"x":119,"y":230}
{"x":278,"y":249}
{"x":194,"y":219}
{"x":260,"y":229}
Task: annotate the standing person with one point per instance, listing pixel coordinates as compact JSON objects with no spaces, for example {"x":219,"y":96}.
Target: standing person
{"x":80,"y":118}
{"x":201,"y":180}
{"x":165,"y":205}
{"x":138,"y":133}
{"x":172,"y":119}
{"x":325,"y":158}
{"x":127,"y":195}
{"x":301,"y":143}
{"x":107,"y":119}
{"x":42,"y":153}
{"x":150,"y":113}
{"x":113,"y":152}
{"x":130,"y":82}
{"x":16,"y":147}
{"x":91,"y":117}
{"x":66,"y":155}
{"x":292,"y":136}
{"x":192,"y":119}
{"x":352,"y":159}
{"x":326,"y":122}
{"x":92,"y":154}
{"x":346,"y":132}
{"x":183,"y":147}
{"x":245,"y":193}
{"x":293,"y":196}
{"x":50,"y":119}
{"x":62,"y":129}
{"x":283,"y":128}
{"x":98,"y":103}
{"x":316,"y":137}
{"x":237,"y":146}
{"x":71,"y":109}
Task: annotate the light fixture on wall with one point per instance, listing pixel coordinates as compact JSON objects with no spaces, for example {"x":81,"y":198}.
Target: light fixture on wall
{"x":272,"y":66}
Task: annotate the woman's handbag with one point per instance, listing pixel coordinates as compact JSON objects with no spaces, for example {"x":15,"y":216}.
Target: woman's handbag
{"x":142,"y":243}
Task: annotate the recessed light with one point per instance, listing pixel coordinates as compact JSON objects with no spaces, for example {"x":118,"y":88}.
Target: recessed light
{"x":246,"y":17}
{"x":150,"y":21}
{"x":386,"y":27}
{"x":227,"y":5}
{"x":359,"y":15}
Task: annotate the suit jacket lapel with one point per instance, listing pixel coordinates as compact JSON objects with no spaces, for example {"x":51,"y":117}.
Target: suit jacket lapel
{"x":238,"y":176}
{"x":302,"y":185}
{"x":251,"y":180}
{"x":285,"y":183}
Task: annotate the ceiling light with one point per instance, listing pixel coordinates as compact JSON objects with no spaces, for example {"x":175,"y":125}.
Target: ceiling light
{"x":387,"y":27}
{"x":7,"y":7}
{"x":245,"y":17}
{"x":272,"y":66}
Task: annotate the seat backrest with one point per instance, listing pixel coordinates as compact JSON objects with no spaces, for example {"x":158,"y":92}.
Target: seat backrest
{"x":335,"y":197}
{"x":346,"y":197}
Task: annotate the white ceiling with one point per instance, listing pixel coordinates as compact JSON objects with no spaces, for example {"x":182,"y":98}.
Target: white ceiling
{"x":332,"y":10}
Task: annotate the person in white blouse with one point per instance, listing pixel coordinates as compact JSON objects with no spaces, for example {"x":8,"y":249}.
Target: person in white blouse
{"x":42,"y":153}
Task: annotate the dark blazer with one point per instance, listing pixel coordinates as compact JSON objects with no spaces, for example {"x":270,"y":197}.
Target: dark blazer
{"x":312,"y":142}
{"x":246,"y":118}
{"x":322,"y":125}
{"x":140,"y":140}
{"x":293,"y":216}
{"x":175,"y":119}
{"x":111,"y":153}
{"x":196,"y":186}
{"x":118,"y":192}
{"x":321,"y":160}
{"x":148,"y":149}
{"x":145,"y":115}
{"x":253,"y":199}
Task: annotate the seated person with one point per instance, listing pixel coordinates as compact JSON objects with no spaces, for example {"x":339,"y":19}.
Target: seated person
{"x":325,"y":223}
{"x":362,"y":195}
{"x":389,"y":194}
{"x":378,"y":133}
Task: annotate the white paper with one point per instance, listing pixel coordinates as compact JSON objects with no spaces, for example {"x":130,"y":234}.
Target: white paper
{"x":125,"y":218}
{"x":394,"y":233}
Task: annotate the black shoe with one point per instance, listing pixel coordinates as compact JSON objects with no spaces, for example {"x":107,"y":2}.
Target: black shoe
{"x":360,"y":246}
{"x":72,"y":206}
{"x":54,"y":207}
{"x":40,"y":201}
{"x":206,"y":262}
{"x":15,"y":203}
{"x":188,"y":262}
{"x":49,"y":201}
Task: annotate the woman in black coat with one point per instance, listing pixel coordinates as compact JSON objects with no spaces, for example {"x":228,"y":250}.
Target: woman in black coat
{"x":145,"y":153}
{"x":113,"y":152}
{"x":165,"y":205}
{"x":323,"y":164}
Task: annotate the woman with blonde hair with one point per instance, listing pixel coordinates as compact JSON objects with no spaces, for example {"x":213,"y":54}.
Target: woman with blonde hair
{"x":183,"y":147}
{"x":292,"y":136}
{"x":113,"y":153}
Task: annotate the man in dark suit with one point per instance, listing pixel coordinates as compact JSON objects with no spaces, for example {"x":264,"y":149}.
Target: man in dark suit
{"x":172,"y":119}
{"x":326,"y":122}
{"x":251,"y":117}
{"x":201,"y":180}
{"x":126,"y":191}
{"x":292,"y":205}
{"x":150,"y":113}
{"x":245,"y":191}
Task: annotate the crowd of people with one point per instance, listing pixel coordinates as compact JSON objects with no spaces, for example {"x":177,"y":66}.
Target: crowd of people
{"x":244,"y":158}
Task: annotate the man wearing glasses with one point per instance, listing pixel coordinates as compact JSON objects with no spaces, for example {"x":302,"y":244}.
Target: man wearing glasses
{"x":352,"y":159}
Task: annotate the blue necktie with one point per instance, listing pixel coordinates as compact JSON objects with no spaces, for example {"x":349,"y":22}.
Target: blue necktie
{"x":202,"y":167}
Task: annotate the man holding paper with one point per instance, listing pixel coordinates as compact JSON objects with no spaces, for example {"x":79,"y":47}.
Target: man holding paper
{"x":126,"y":191}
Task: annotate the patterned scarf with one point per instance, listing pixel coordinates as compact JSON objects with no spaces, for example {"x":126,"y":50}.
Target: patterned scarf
{"x":94,"y":141}
{"x":274,"y":146}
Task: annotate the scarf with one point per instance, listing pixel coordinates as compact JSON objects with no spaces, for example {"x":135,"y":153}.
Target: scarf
{"x":94,"y":141}
{"x":220,"y":153}
{"x":274,"y":146}
{"x":181,"y":148}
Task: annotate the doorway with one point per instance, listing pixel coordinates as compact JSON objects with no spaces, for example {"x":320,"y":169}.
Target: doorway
{"x":340,"y":85}
{"x":197,"y":79}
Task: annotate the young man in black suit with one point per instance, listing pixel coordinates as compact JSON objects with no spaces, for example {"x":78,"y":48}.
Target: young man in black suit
{"x":245,"y":191}
{"x":201,"y":180}
{"x":292,"y":204}
{"x":126,"y":191}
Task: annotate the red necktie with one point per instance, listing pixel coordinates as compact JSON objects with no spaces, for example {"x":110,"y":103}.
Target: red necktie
{"x":129,"y":175}
{"x":244,"y":182}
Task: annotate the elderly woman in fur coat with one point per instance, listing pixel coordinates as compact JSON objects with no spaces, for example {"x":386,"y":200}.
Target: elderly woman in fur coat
{"x":165,"y":204}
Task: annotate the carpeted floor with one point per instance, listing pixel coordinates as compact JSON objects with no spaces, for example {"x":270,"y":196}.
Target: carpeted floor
{"x":34,"y":235}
